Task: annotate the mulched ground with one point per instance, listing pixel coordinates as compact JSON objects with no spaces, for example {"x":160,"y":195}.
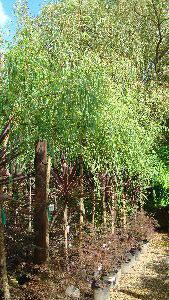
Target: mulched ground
{"x":149,"y":278}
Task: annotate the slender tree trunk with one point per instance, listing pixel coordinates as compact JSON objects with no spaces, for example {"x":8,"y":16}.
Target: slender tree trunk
{"x":94,"y":209}
{"x":141,"y":203}
{"x":15,"y":196}
{"x":113,"y":211}
{"x":30,"y":206}
{"x":66,"y":229}
{"x":104,"y":205}
{"x":3,"y":269}
{"x":41,"y":225}
{"x":124,"y":213}
{"x":81,"y":205}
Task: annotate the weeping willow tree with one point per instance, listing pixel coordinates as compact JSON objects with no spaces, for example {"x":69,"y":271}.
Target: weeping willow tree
{"x":90,"y":77}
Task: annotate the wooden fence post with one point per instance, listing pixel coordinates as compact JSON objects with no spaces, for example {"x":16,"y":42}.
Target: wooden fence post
{"x":41,"y":226}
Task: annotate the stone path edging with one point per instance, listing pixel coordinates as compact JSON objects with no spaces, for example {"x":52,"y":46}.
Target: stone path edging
{"x":112,"y":279}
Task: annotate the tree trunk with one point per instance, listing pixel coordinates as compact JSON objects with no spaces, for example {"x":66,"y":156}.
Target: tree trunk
{"x":113,"y":211}
{"x":81,"y":205}
{"x":124,"y":213}
{"x":66,"y":231}
{"x":42,"y":177}
{"x":15,"y":197}
{"x":3,"y":269}
{"x":94,"y":209}
{"x":30,"y":206}
{"x":104,"y":205}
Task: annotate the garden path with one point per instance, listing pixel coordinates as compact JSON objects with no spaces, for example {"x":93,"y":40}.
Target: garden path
{"x":149,"y":278}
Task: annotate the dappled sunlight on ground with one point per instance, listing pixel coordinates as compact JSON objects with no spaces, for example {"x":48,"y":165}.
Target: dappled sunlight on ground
{"x":149,"y":279}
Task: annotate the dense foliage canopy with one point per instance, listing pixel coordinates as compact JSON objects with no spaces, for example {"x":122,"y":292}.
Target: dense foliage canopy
{"x":91,"y":77}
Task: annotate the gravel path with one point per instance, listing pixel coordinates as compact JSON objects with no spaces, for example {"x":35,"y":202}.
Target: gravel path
{"x":149,"y":278}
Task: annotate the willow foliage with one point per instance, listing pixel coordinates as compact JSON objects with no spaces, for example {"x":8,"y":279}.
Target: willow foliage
{"x":90,"y":77}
